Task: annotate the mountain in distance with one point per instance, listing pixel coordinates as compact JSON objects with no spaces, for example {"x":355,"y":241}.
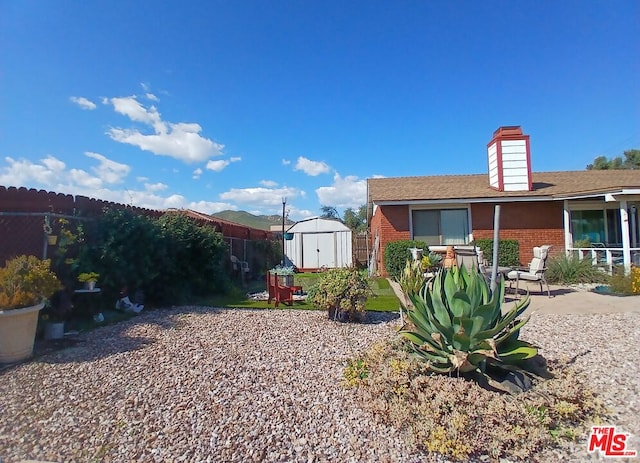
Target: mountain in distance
{"x":261,"y":222}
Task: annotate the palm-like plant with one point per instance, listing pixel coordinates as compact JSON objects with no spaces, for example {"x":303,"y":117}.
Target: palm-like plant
{"x":459,"y":325}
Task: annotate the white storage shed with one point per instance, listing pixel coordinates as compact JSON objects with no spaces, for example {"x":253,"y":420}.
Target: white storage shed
{"x":319,"y":243}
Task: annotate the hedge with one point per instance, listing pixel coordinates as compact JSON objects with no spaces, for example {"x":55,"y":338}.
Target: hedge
{"x":396,"y":254}
{"x":508,"y":252}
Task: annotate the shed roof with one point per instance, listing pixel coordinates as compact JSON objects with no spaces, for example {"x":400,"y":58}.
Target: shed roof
{"x":553,"y":185}
{"x":318,"y":224}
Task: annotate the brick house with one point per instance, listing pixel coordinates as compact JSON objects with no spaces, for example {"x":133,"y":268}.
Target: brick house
{"x":592,"y":212}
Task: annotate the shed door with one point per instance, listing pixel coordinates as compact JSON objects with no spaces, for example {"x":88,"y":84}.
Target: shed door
{"x":318,"y":250}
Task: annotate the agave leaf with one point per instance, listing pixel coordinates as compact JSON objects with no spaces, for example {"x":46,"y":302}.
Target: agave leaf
{"x":460,"y":361}
{"x":450,"y":285}
{"x":419,"y":317}
{"x":447,"y":331}
{"x":489,"y":312}
{"x":516,"y":351}
{"x":501,"y":325}
{"x":522,"y":305}
{"x":432,"y":356}
{"x":441,"y":367}
{"x":478,"y":356}
{"x":413,"y":337}
{"x":460,"y":304}
{"x":509,"y":332}
{"x":473,"y":326}
{"x":436,"y":293}
{"x":461,"y":341}
{"x":438,"y":309}
{"x":437,"y":337}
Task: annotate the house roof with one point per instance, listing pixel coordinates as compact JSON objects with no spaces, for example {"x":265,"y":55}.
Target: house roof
{"x":548,"y":185}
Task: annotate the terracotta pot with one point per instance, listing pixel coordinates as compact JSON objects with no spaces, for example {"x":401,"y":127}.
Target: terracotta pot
{"x":18,"y":332}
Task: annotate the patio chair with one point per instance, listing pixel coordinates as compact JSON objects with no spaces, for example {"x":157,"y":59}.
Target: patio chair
{"x":535,"y":271}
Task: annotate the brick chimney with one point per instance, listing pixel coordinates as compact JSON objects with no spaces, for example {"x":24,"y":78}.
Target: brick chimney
{"x":509,"y":159}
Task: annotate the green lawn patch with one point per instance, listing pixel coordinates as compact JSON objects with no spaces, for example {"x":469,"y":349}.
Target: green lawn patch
{"x":384,"y":299}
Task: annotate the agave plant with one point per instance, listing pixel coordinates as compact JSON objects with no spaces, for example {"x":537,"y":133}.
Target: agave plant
{"x":459,"y":325}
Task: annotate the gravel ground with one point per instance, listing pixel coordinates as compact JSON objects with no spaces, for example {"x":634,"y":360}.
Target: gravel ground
{"x":196,"y":384}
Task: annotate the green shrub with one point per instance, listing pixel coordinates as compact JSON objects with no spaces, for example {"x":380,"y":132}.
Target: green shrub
{"x":625,"y":284}
{"x":508,"y":252}
{"x":396,"y":254}
{"x":171,"y":259}
{"x":569,"y":269}
{"x":343,"y":292}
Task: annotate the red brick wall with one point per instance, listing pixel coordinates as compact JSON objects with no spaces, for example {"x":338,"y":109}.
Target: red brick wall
{"x":391,"y":223}
{"x":531,"y":223}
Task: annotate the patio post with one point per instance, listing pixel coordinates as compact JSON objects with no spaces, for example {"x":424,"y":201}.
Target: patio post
{"x":626,"y":242}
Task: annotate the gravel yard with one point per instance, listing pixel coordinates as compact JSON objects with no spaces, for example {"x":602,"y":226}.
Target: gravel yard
{"x":201,"y":384}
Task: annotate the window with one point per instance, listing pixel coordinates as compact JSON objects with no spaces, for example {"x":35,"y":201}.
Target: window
{"x":441,"y":227}
{"x":588,"y":225}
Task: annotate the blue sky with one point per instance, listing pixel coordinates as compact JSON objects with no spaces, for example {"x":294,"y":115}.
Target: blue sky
{"x":214,"y":105}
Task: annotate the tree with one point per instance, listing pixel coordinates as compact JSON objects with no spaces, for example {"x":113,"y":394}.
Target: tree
{"x":631,"y":161}
{"x":356,"y":220}
{"x":329,"y":212}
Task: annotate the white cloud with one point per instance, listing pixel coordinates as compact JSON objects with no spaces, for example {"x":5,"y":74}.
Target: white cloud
{"x":258,"y":197}
{"x":152,"y":97}
{"x":349,"y":191}
{"x":83,"y":102}
{"x":219,"y":165}
{"x":53,"y":164}
{"x":197,"y":173}
{"x":180,"y":140}
{"x":155,"y":186}
{"x":312,"y":168}
{"x":84,"y":179}
{"x":209,"y":207}
{"x":21,"y":172}
{"x":286,"y":162}
{"x":268,"y":183}
{"x":50,"y":173}
{"x":109,"y":171}
{"x":145,"y":86}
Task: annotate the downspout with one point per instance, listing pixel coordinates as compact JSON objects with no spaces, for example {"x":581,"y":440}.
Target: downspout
{"x":496,"y":245}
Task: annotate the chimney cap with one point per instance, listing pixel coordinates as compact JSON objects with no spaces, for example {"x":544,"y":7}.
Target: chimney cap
{"x":507,"y":130}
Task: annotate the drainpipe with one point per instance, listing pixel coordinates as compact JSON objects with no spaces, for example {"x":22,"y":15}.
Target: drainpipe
{"x":496,"y":245}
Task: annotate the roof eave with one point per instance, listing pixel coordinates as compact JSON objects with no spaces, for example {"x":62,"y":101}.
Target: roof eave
{"x":501,"y":199}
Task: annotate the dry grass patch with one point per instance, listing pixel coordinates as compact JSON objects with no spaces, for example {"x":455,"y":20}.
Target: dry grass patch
{"x":455,"y":417}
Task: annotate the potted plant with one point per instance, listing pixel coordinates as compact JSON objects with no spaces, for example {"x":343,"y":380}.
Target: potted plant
{"x":89,"y":279}
{"x":25,"y":282}
{"x":285,"y":274}
{"x":55,"y":312}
